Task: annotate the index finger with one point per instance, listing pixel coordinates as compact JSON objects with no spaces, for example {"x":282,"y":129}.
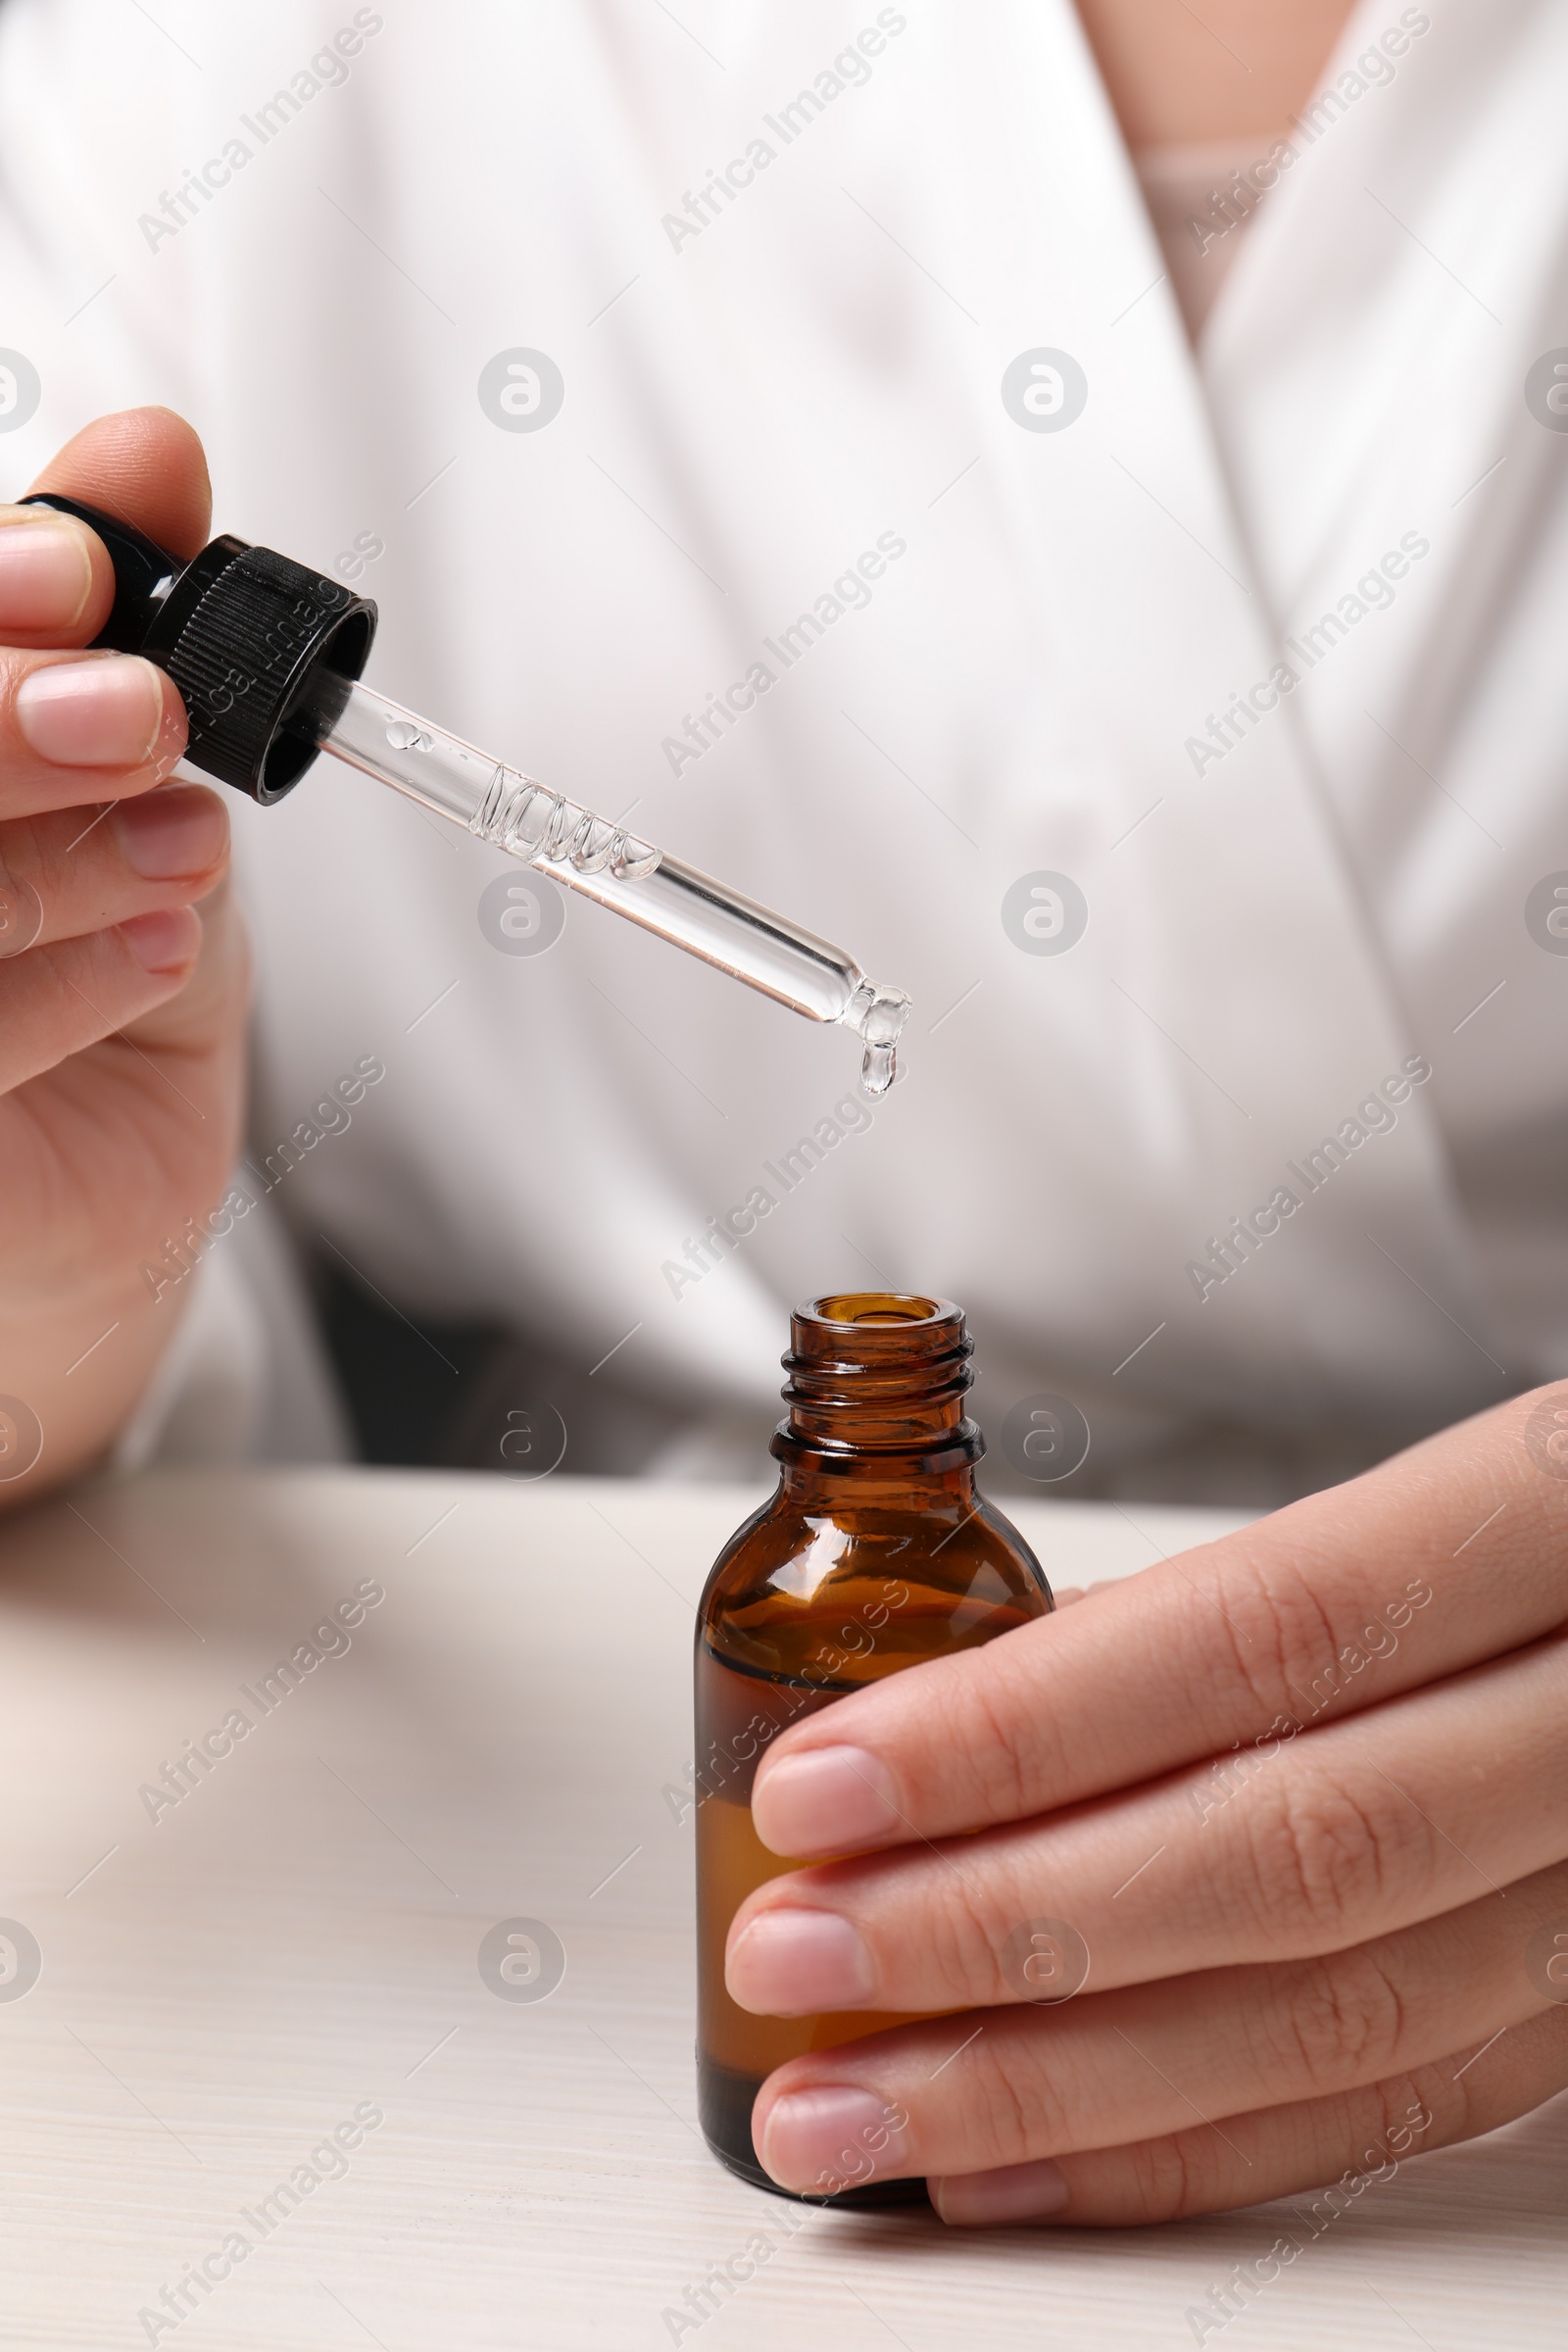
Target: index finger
{"x":1447,"y":1555}
{"x":82,"y":729}
{"x":57,"y":583}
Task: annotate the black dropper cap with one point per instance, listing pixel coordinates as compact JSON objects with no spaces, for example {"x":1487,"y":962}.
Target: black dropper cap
{"x":259,"y":646}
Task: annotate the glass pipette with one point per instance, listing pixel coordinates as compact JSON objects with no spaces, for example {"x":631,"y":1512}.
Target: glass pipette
{"x":586,"y":852}
{"x":268,"y":656}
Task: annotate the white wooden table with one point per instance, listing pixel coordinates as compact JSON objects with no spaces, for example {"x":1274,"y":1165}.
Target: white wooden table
{"x":297,"y":1937}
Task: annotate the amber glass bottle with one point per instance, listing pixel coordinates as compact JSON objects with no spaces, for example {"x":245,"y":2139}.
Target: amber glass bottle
{"x":874,"y":1553}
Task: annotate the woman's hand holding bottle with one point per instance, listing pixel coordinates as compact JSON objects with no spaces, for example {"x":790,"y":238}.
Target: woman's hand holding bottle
{"x":1301,"y":1797}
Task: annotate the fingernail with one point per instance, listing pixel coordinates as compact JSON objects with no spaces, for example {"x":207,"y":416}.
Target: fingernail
{"x":162,"y":943}
{"x":792,"y":1963}
{"x":45,"y":577}
{"x":107,"y":713}
{"x":827,"y":1801}
{"x":841,"y":2131}
{"x":177,"y":830}
{"x":1013,"y":2193}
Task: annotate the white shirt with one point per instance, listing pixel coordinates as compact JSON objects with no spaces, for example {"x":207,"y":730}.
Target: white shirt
{"x":765,"y":379}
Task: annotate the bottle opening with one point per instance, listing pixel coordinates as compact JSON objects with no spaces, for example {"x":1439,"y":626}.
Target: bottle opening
{"x":875,"y":1306}
{"x":876,"y":1373}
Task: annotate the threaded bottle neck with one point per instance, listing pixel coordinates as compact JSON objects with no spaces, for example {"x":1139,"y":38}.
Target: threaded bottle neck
{"x":878,"y":1377}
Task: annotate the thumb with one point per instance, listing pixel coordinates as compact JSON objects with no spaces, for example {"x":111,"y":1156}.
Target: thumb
{"x":146,"y":468}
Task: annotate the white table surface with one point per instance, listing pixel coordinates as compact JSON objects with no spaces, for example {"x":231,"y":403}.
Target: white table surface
{"x":222,"y":1988}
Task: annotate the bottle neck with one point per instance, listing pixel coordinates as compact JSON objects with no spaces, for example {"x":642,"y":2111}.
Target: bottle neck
{"x":810,"y":1482}
{"x":876,"y":1393}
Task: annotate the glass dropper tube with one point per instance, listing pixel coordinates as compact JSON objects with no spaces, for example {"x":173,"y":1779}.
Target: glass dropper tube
{"x":264,"y":653}
{"x":589,"y":854}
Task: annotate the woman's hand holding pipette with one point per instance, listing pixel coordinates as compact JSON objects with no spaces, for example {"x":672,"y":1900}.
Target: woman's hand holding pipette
{"x":124,"y":970}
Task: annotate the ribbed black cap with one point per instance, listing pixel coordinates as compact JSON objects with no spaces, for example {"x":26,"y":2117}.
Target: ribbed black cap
{"x":254,"y":641}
